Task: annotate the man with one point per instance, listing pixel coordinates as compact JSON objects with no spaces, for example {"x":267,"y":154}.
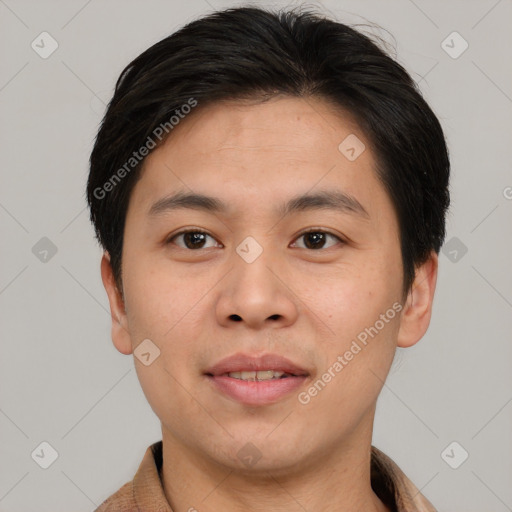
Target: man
{"x":270,"y":191}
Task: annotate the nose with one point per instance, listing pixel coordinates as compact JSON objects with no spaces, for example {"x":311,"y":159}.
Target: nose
{"x":258,"y":294}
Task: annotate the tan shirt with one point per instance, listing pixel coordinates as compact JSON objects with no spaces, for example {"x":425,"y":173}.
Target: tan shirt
{"x":145,"y":492}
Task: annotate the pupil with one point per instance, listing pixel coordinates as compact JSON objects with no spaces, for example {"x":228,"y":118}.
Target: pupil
{"x":316,"y":237}
{"x":189,"y":236}
{"x":313,"y":239}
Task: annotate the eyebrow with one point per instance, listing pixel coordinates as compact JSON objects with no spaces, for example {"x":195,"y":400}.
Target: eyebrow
{"x":322,"y":200}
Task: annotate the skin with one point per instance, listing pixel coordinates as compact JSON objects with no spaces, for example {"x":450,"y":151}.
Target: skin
{"x":307,"y":304}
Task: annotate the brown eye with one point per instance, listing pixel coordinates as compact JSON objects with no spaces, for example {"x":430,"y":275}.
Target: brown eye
{"x":316,"y":239}
{"x":192,"y":239}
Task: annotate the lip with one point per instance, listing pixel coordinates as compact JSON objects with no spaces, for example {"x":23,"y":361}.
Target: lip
{"x":256,"y":393}
{"x":243,"y":362}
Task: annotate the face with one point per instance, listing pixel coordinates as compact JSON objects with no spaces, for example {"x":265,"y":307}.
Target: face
{"x":265,"y":279}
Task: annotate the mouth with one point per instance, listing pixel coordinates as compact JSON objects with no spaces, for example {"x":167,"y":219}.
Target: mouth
{"x":256,"y":381}
{"x":259,"y":376}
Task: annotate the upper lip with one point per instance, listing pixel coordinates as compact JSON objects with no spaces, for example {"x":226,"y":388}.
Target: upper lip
{"x":243,"y":362}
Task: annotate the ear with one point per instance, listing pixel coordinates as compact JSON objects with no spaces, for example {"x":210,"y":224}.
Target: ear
{"x":417,"y":311}
{"x":120,"y":334}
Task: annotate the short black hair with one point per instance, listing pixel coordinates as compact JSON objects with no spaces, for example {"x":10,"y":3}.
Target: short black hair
{"x":252,"y":53}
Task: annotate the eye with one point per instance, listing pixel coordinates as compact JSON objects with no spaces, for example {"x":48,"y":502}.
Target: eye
{"x":315,"y":238}
{"x":192,"y":238}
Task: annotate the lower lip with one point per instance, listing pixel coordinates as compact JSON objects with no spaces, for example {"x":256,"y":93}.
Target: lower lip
{"x":256,"y":392}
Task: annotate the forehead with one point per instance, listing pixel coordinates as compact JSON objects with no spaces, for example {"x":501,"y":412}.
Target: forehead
{"x":282,"y":125}
{"x":259,"y":152}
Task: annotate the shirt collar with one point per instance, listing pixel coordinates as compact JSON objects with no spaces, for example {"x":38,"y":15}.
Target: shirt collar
{"x":388,"y":482}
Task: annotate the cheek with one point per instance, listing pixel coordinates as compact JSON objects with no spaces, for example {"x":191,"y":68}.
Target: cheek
{"x":361,"y":307}
{"x":165,"y":306}
{"x":355,"y":367}
{"x":352,"y":296}
{"x":161,"y":308}
{"x":158,"y":301}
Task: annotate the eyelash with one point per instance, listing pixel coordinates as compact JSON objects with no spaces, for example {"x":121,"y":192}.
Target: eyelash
{"x":200,"y":231}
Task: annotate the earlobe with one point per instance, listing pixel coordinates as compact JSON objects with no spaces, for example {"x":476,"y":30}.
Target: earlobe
{"x":417,"y":311}
{"x":120,"y":334}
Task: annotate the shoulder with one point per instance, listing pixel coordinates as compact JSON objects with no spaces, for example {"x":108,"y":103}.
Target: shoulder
{"x":145,"y":491}
{"x":122,"y":500}
{"x":394,"y":488}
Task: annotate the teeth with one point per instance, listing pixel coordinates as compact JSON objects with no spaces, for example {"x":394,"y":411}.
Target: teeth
{"x":257,"y":376}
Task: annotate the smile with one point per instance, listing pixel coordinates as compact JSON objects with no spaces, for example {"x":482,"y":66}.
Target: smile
{"x":258,"y":376}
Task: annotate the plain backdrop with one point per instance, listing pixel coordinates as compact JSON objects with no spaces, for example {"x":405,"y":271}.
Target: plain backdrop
{"x":63,"y":382}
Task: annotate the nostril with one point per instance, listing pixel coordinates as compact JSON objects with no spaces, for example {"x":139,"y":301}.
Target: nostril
{"x":236,"y":318}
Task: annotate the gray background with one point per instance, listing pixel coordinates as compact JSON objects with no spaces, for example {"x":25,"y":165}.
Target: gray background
{"x":63,"y":382}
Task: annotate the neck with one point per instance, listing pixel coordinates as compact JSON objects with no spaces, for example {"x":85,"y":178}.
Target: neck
{"x":339,"y":481}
